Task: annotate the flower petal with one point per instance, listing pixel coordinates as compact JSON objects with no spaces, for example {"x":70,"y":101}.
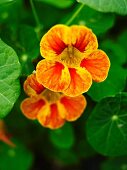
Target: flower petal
{"x":81,"y":81}
{"x":5,"y":139}
{"x":50,"y":117}
{"x":32,"y":106}
{"x":98,"y":64}
{"x":53,"y":75}
{"x":83,"y":39}
{"x":73,"y":107}
{"x":4,"y":136}
{"x":54,"y":41}
{"x":32,"y":86}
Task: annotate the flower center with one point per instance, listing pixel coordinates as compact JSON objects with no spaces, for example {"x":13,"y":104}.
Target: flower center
{"x":71,"y":56}
{"x":50,"y":96}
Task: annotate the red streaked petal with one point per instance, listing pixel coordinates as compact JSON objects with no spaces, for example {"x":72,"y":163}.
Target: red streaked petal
{"x":32,"y":86}
{"x":81,"y":81}
{"x":50,"y":117}
{"x":54,"y":41}
{"x":53,"y":75}
{"x":31,"y":107}
{"x":98,"y":64}
{"x":73,"y":107}
{"x":83,"y":38}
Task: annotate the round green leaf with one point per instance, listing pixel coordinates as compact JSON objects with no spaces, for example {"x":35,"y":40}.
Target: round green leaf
{"x":107,"y":126}
{"x":59,"y":4}
{"x":119,"y":163}
{"x":63,"y":137}
{"x":118,"y":6}
{"x":114,"y":84}
{"x":15,"y":158}
{"x":9,"y":73}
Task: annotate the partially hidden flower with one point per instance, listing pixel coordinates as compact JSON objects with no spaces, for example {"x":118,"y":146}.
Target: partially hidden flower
{"x":50,"y":108}
{"x":4,"y":136}
{"x":72,"y":60}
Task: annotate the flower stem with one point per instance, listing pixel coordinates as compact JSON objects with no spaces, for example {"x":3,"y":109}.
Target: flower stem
{"x":35,"y":14}
{"x":74,"y":15}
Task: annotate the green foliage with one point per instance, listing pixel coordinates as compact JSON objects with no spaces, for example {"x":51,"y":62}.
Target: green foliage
{"x":107,"y":127}
{"x":25,"y":42}
{"x":27,"y":48}
{"x":15,"y":158}
{"x":116,"y":80}
{"x":9,"y":72}
{"x":8,"y":9}
{"x":84,"y":149}
{"x":6,"y":1}
{"x":63,"y":137}
{"x":59,"y":3}
{"x":46,"y":18}
{"x":122,"y":39}
{"x":103,"y":126}
{"x":119,"y":163}
{"x":68,"y":157}
{"x":92,"y":19}
{"x":114,"y":50}
{"x":114,"y":84}
{"x":118,"y":6}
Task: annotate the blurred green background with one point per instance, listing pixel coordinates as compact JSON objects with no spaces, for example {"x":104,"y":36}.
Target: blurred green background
{"x":98,"y":139}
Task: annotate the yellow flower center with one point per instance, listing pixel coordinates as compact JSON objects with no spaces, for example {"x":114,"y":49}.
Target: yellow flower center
{"x":50,"y":96}
{"x":71,"y":56}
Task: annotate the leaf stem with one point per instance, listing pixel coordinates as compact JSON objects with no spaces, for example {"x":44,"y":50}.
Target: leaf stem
{"x":74,"y":15}
{"x":35,"y":14}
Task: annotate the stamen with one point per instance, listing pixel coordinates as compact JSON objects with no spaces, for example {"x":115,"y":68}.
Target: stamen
{"x":71,"y":56}
{"x":51,"y":96}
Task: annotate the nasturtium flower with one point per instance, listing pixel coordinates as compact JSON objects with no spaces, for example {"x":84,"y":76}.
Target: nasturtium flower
{"x":4,"y":137}
{"x":50,"y":108}
{"x":72,"y":60}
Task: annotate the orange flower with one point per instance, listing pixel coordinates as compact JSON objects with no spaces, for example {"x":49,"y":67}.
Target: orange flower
{"x":72,"y":60}
{"x":3,"y":134}
{"x":51,"y":109}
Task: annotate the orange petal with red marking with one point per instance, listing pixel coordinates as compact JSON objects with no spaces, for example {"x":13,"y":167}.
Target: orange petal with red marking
{"x":32,"y":106}
{"x":32,"y":86}
{"x":81,"y":81}
{"x":98,"y":64}
{"x":53,"y":75}
{"x":54,"y":41}
{"x":50,"y":117}
{"x":72,"y":107}
{"x":83,"y":39}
